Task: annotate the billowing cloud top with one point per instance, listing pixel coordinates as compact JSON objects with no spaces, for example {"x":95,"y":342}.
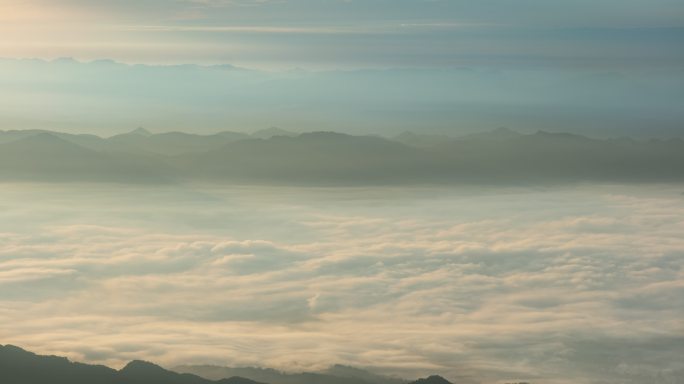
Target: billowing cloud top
{"x":580,"y":285}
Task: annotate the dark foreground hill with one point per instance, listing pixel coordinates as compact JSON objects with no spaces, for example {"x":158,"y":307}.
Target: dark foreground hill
{"x":328,"y":158}
{"x":18,"y":366}
{"x":432,"y":380}
{"x":21,"y":367}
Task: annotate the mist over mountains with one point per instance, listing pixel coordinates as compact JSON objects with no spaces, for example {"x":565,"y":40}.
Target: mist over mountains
{"x":337,"y":374}
{"x":276,"y":156}
{"x":100,"y":96}
{"x":18,"y":366}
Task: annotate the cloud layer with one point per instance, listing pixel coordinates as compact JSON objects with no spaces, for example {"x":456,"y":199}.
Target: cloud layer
{"x":577,"y":285}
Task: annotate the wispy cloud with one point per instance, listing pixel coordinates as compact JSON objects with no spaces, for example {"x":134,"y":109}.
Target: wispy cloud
{"x":385,"y":28}
{"x":244,"y":29}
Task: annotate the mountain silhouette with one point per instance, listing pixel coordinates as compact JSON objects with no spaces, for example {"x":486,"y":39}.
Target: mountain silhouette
{"x":498,"y":157}
{"x":334,"y":375}
{"x":141,"y":131}
{"x":18,"y":366}
{"x":45,"y":156}
{"x":171,"y":143}
{"x":352,"y":372}
{"x":432,"y":380}
{"x":268,"y":133}
{"x":546,"y":157}
{"x":325,"y":157}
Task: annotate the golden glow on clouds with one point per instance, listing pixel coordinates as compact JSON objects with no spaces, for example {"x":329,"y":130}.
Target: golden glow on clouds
{"x":32,"y":11}
{"x":45,"y":29}
{"x":482,"y":283}
{"x":334,"y":34}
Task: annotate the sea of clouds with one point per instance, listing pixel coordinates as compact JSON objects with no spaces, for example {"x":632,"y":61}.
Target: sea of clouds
{"x":580,"y":284}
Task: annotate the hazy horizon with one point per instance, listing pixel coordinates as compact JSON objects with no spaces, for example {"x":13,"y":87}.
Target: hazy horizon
{"x":606,"y":68}
{"x":105,"y":98}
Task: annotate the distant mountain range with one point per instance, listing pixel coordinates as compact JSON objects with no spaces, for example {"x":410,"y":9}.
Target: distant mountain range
{"x":337,"y":374}
{"x":100,"y":96}
{"x":18,"y":366}
{"x":277,"y":156}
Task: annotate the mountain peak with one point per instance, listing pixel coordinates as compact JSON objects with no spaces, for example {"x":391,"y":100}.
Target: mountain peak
{"x":13,"y":349}
{"x":140,"y":366}
{"x":324,"y":135}
{"x":434,"y":379}
{"x":237,"y":380}
{"x":65,"y":60}
{"x":105,"y":63}
{"x":141,"y":132}
{"x":20,"y":357}
{"x":272,"y":132}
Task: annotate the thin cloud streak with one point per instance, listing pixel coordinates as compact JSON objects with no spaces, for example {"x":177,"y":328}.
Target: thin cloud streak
{"x":375,"y":29}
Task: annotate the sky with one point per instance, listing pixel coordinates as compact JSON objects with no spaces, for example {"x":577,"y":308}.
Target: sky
{"x":335,"y":34}
{"x":602,"y":68}
{"x":569,"y":285}
{"x":106,"y":98}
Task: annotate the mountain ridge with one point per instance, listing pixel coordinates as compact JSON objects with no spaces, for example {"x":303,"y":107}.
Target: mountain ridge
{"x":332,"y":375}
{"x":18,"y":366}
{"x":330,"y":158}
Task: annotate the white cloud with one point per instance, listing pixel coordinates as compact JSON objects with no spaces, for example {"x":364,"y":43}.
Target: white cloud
{"x":509,"y":286}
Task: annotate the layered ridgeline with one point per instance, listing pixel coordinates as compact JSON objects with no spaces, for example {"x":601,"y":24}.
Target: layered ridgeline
{"x":337,"y":374}
{"x":18,"y":366}
{"x":103,"y":95}
{"x":281,"y":157}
